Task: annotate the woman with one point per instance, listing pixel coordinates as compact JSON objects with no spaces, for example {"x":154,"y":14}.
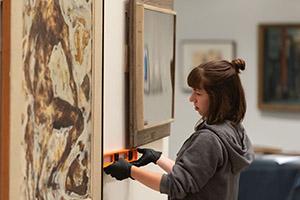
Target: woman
{"x":209,"y":163}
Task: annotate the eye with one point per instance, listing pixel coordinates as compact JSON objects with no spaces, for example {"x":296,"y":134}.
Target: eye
{"x":197,"y":92}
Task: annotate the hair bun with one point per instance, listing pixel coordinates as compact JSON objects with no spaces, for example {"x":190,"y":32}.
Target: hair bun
{"x":238,"y":64}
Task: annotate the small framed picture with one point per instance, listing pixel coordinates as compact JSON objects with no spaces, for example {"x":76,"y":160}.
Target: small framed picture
{"x":279,"y":67}
{"x":194,"y":52}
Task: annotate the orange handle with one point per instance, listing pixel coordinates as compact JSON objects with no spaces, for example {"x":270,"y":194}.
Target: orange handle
{"x":127,"y":154}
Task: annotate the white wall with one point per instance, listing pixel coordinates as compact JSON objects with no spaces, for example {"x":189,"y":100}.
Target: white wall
{"x":205,"y":19}
{"x":115,"y":105}
{"x":237,"y":20}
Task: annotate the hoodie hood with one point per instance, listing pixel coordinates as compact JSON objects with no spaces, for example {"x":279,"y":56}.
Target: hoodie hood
{"x":238,"y":145}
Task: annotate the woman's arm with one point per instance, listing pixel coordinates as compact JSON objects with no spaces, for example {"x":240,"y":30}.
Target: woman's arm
{"x":165,"y":163}
{"x":156,"y":157}
{"x":150,"y":179}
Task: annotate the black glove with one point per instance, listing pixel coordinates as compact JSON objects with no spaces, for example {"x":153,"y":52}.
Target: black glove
{"x":149,"y":155}
{"x":120,"y":169}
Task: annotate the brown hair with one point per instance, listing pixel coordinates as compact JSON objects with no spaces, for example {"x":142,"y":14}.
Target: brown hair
{"x":220,"y":79}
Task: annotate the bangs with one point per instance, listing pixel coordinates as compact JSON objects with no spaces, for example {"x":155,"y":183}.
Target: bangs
{"x":195,"y":78}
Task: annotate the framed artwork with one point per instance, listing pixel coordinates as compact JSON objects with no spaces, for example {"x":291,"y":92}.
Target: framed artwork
{"x":151,"y":68}
{"x":279,"y":67}
{"x":51,"y":114}
{"x":194,"y":52}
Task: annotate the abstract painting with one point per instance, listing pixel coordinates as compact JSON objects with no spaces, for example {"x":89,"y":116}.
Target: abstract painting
{"x":57,"y":74}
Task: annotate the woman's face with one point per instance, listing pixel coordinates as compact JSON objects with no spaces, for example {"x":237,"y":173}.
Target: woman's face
{"x":200,"y":100}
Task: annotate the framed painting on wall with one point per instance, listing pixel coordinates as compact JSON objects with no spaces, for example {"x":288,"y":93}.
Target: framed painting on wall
{"x":279,"y":67}
{"x":51,"y":114}
{"x":195,"y":51}
{"x":152,"y":72}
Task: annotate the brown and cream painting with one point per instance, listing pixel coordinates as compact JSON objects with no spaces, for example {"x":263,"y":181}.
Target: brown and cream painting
{"x":57,"y":75}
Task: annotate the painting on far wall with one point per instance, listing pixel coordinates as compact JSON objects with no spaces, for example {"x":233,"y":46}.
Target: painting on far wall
{"x":279,"y":67}
{"x":194,"y":52}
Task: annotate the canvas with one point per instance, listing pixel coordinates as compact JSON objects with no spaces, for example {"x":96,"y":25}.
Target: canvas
{"x":53,"y":88}
{"x":57,"y":88}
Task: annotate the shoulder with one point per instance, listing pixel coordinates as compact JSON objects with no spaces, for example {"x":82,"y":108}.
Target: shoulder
{"x":225,"y":131}
{"x":202,"y":140}
{"x":206,"y":134}
{"x":207,"y":139}
{"x":206,"y":145}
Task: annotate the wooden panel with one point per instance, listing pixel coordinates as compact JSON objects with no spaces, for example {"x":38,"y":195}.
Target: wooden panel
{"x":139,"y":60}
{"x":5,"y":103}
{"x":97,"y":67}
{"x":150,"y":134}
{"x":159,"y":3}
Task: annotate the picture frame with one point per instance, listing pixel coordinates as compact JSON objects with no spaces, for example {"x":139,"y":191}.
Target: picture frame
{"x":279,"y":67}
{"x":27,"y":158}
{"x":151,"y":71}
{"x":196,"y":51}
{"x":5,"y":100}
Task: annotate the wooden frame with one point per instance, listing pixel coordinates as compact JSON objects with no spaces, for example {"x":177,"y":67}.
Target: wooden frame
{"x":196,"y":51}
{"x":140,"y":131}
{"x":10,"y":184}
{"x":279,"y":67}
{"x":97,"y":104}
{"x":5,"y":102}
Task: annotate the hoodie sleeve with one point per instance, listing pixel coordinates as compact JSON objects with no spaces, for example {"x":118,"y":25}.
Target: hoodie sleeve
{"x":194,"y":168}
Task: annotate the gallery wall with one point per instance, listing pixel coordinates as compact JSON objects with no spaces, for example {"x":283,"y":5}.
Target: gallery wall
{"x":116,"y":105}
{"x":235,"y":20}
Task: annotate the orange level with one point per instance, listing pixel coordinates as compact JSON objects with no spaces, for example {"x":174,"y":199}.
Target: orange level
{"x":127,"y":154}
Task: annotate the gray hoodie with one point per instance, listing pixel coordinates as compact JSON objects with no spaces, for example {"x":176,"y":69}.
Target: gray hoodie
{"x":209,"y":163}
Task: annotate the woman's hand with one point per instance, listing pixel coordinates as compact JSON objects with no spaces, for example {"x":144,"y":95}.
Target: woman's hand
{"x":149,"y":155}
{"x":120,"y":169}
